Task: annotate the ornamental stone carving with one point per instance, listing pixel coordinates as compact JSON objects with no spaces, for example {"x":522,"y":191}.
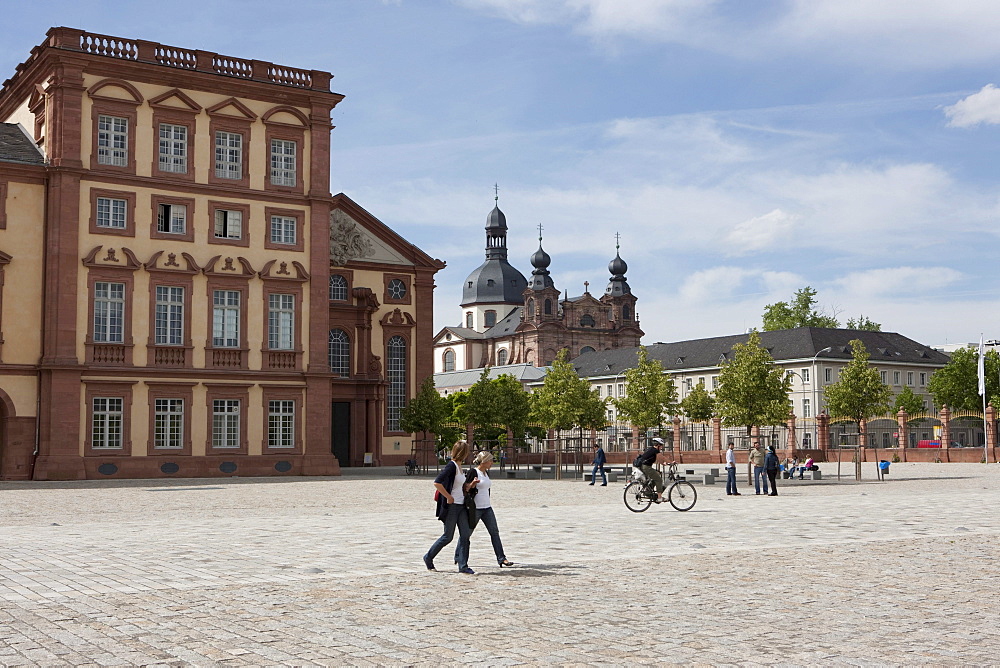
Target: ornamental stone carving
{"x":346,"y":240}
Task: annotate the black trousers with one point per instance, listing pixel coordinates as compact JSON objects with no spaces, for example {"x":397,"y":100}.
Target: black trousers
{"x":772,"y":474}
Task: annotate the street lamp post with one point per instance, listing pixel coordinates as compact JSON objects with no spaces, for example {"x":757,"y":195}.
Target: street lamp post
{"x":815,"y":393}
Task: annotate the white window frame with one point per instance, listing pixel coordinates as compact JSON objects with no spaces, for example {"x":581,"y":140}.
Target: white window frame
{"x":885,"y":377}
{"x":397,"y":290}
{"x":228,"y":224}
{"x":895,"y":378}
{"x":112,"y":140}
{"x":226,"y":423}
{"x":805,"y":374}
{"x":226,"y":318}
{"x":228,"y":155}
{"x":280,"y":423}
{"x":112,"y":213}
{"x":284,"y":156}
{"x":280,"y":321}
{"x":171,"y":218}
{"x":339,"y":353}
{"x":173,"y":153}
{"x":283,"y":230}
{"x":168,"y":424}
{"x":923,"y":379}
{"x":338,"y":288}
{"x":107,"y":423}
{"x":109,"y":312}
{"x":909,"y":378}
{"x":827,"y":374}
{"x":168,"y":326}
{"x":806,"y":408}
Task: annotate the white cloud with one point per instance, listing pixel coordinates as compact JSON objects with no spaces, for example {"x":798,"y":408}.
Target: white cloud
{"x":898,"y":282}
{"x":762,"y":232}
{"x":981,"y":107}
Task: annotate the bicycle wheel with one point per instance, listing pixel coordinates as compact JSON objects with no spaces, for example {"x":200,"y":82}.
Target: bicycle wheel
{"x":636,"y":498}
{"x":682,"y":495}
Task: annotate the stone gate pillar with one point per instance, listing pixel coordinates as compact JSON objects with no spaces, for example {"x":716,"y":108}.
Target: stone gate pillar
{"x":991,"y":433}
{"x":677,"y":438}
{"x":903,"y":435}
{"x":823,"y":432}
{"x":793,"y":442}
{"x":945,"y":416}
{"x":717,"y":437}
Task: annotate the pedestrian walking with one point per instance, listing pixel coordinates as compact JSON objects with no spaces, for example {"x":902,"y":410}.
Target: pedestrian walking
{"x":757,"y":459}
{"x":450,"y":486}
{"x":731,"y":471}
{"x":600,"y":459}
{"x":771,"y":465}
{"x":484,"y":505}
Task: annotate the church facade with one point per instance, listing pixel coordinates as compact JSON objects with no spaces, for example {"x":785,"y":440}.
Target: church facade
{"x":508,"y":319}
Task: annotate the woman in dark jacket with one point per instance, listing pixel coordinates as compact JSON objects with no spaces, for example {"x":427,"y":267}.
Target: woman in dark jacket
{"x":450,"y":485}
{"x":771,"y":466}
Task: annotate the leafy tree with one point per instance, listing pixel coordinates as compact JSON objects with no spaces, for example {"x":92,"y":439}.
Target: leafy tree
{"x":513,"y":404}
{"x":561,"y":402}
{"x":649,"y":393}
{"x":863,"y":323}
{"x":799,"y":313}
{"x":957,"y":384}
{"x":908,"y":401}
{"x":752,"y":392}
{"x":859,"y":393}
{"x":426,"y":412}
{"x":496,"y":405}
{"x":699,"y":406}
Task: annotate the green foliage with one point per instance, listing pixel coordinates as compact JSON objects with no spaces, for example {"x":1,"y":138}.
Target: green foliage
{"x":957,"y":384}
{"x":752,"y":390}
{"x":908,"y":401}
{"x":860,"y":392}
{"x":500,"y":401}
{"x":698,"y":405}
{"x":863,"y":323}
{"x":427,"y":411}
{"x":649,"y":393}
{"x":565,"y":400}
{"x":800,"y":313}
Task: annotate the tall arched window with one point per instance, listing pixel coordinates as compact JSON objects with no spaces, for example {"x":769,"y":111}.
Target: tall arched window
{"x":531,"y":308}
{"x":548,"y":307}
{"x":501,"y":357}
{"x":491,"y":318}
{"x":396,"y":375}
{"x":449,"y":360}
{"x":338,"y":288}
{"x":626,"y":312}
{"x":340,"y":353}
{"x":468,"y":320}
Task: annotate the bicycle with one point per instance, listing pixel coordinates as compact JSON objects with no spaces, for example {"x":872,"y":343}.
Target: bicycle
{"x":411,"y":466}
{"x":641,"y":492}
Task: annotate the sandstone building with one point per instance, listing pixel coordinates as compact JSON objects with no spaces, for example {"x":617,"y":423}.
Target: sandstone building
{"x":180,"y":293}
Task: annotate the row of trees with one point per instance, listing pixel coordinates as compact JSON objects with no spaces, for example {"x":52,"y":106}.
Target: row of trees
{"x":752,"y":392}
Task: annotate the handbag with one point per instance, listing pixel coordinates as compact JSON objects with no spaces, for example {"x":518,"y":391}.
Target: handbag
{"x":470,"y":500}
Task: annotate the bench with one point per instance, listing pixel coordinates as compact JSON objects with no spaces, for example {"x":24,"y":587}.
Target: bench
{"x":706,"y":478}
{"x":612,"y":475}
{"x":808,"y":475}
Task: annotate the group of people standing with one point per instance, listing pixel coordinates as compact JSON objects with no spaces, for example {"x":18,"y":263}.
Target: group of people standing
{"x":766,"y":466}
{"x":453,"y":487}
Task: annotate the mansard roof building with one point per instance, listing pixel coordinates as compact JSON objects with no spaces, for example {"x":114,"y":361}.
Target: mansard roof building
{"x":507,"y":319}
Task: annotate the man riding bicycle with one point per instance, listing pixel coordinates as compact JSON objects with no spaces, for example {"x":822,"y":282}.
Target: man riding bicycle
{"x":646,"y":462}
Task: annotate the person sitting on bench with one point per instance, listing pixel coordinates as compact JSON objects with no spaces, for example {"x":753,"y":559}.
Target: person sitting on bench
{"x":809,"y":465}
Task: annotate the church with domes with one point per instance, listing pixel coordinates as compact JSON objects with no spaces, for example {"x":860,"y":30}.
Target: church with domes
{"x":508,"y":319}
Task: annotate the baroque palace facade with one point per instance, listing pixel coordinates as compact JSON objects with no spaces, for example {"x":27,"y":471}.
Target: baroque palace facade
{"x":180,"y":293}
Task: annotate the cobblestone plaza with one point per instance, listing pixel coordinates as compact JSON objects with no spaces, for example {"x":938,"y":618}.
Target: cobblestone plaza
{"x":327,"y":571}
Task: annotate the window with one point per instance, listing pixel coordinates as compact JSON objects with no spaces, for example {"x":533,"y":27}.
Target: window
{"x":491,"y":316}
{"x":281,"y":424}
{"x":688,"y":384}
{"x":228,"y":224}
{"x":531,"y":308}
{"x":805,"y":375}
{"x":396,"y":375}
{"x":598,"y":388}
{"x":168,"y":423}
{"x":621,"y":389}
{"x":548,"y":307}
{"x":169,"y":320}
{"x":828,"y":375}
{"x":586,"y":349}
{"x":715,"y":382}
{"x":806,"y":408}
{"x":226,"y":318}
{"x":340,"y":353}
{"x":228,"y":155}
{"x":283,"y":230}
{"x":280,"y":322}
{"x":171,"y":218}
{"x":468,"y":320}
{"x":112,"y":141}
{"x":587,"y":321}
{"x":109,"y":312}
{"x":111,"y":213}
{"x":502,"y":356}
{"x":449,"y":360}
{"x":338,"y":288}
{"x":173,"y":148}
{"x":226,"y":423}
{"x":626,"y":312}
{"x":807,"y":440}
{"x":909,"y":378}
{"x":895,"y":378}
{"x":923,"y":379}
{"x":106,"y":423}
{"x":283,"y":162}
{"x":397,"y":290}
{"x":611,"y":390}
{"x":885,"y":377}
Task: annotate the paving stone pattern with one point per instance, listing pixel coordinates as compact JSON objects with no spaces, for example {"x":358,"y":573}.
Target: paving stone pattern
{"x":327,"y":571}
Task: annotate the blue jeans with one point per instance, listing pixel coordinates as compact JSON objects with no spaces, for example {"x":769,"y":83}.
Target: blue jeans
{"x":489,"y":520}
{"x":759,"y":477}
{"x":731,"y":480}
{"x":593,"y":475}
{"x":457,"y":516}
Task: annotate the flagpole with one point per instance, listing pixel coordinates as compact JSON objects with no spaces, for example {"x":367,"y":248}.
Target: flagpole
{"x":981,"y":368}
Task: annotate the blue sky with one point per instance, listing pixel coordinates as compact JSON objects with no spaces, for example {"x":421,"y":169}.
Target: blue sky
{"x":743,"y":150}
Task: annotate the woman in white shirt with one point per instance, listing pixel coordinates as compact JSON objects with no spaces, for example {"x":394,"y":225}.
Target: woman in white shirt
{"x":484,"y":510}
